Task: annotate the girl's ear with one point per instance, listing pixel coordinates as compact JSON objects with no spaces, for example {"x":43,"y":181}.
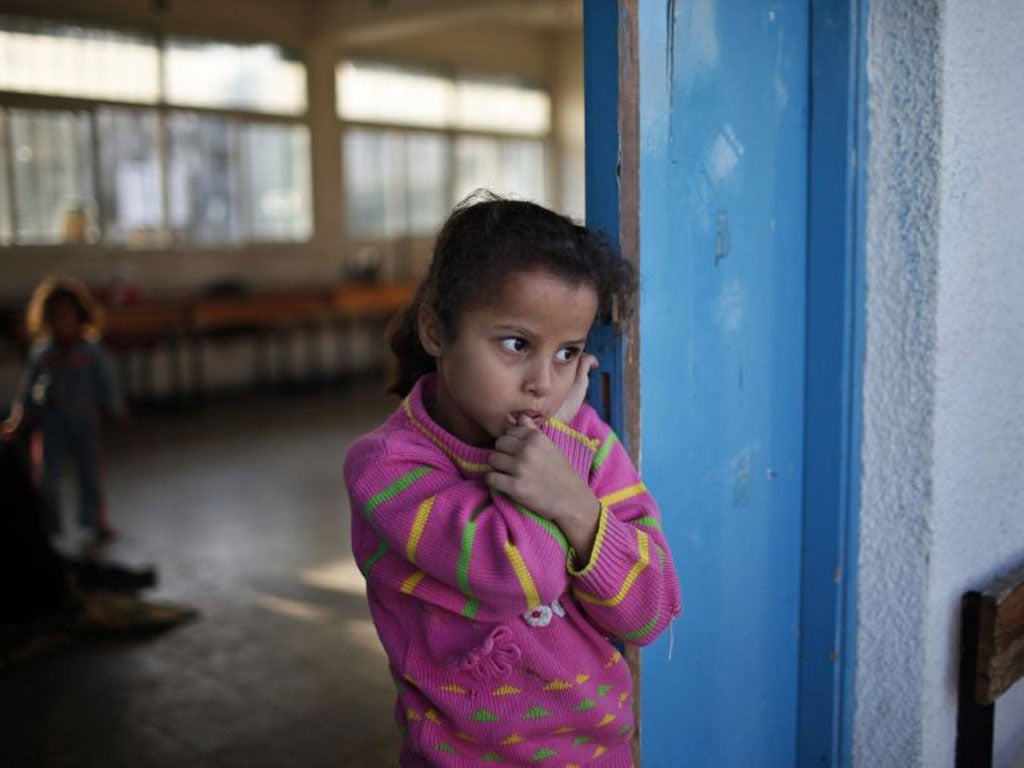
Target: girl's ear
{"x":429,"y":329}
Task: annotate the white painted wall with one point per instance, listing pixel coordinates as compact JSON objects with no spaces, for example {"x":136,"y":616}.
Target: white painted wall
{"x":943,"y":452}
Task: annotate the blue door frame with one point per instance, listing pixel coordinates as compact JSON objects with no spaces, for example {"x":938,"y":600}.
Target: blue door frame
{"x":698,"y":717}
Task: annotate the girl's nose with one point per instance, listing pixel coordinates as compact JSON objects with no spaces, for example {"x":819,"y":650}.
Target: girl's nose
{"x":538,"y":381}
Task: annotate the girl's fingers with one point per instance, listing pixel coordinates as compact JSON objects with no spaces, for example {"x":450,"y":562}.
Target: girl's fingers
{"x":578,"y":391}
{"x":587,"y":364}
{"x":502,"y":462}
{"x":509,"y":443}
{"x":526,"y":423}
{"x":518,"y":432}
{"x":500,"y":482}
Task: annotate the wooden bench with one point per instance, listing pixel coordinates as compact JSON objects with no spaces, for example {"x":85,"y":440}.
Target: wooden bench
{"x":183,"y":324}
{"x":142,"y":328}
{"x":991,"y":660}
{"x":268,"y":317}
{"x":353,"y":304}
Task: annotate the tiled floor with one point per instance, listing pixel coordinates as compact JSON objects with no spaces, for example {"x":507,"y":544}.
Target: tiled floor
{"x":242,"y":509}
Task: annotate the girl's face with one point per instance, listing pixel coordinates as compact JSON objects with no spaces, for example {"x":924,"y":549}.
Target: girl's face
{"x":515,"y":355}
{"x":63,"y":319}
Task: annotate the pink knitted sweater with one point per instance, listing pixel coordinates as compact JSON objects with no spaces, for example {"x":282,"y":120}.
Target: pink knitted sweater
{"x":498,"y":643}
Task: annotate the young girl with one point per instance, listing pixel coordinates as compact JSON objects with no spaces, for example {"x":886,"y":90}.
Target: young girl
{"x":504,"y":535}
{"x":65,"y":387}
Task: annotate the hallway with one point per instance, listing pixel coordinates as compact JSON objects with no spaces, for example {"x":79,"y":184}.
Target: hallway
{"x":241,"y":508}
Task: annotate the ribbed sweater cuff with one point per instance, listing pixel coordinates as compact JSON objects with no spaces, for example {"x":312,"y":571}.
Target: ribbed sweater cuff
{"x":579,"y":569}
{"x":577,"y":447}
{"x":613,"y":556}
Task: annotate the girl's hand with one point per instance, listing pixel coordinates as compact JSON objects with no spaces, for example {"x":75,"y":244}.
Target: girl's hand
{"x":9,"y":430}
{"x":11,"y":427}
{"x":533,"y":471}
{"x":567,"y":411}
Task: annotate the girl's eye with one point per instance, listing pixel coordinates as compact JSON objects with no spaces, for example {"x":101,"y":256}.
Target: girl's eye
{"x":513,"y":344}
{"x":567,"y":354}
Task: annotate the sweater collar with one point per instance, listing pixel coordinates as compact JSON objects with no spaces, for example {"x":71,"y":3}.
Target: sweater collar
{"x":470,"y":458}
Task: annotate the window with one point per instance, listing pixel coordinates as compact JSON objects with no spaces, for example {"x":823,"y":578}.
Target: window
{"x":262,"y":78}
{"x":379,"y":93}
{"x":57,"y":59}
{"x":397,"y":182}
{"x":52,"y":176}
{"x":512,"y":167}
{"x":231,"y":181}
{"x":415,"y":142}
{"x":5,"y":185}
{"x":202,"y":189}
{"x":501,"y":106}
{"x":131,"y":192}
{"x":277,"y":195}
{"x":130,"y":172}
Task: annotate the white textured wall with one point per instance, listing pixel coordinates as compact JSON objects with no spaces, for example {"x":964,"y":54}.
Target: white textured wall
{"x":899,"y":391}
{"x":943,"y":452}
{"x":978,"y":513}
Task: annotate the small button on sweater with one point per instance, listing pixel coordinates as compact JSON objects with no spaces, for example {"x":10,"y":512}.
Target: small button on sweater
{"x":500,"y":643}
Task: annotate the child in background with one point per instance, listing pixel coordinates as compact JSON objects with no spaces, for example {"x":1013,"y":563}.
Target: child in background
{"x":65,"y":387}
{"x":505,"y":537}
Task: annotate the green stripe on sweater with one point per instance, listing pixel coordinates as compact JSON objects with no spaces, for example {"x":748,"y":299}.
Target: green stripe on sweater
{"x":547,"y":525}
{"x":604,"y":450}
{"x":394,"y":489}
{"x":471,"y":608}
{"x":382,"y":550}
{"x":465,"y":553}
{"x":645,"y":629}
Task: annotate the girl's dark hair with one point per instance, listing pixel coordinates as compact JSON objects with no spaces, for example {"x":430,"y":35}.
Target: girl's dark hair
{"x":52,"y":290}
{"x":485,"y":240}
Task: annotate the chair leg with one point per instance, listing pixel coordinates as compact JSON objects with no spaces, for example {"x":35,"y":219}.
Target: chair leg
{"x":975,"y":722}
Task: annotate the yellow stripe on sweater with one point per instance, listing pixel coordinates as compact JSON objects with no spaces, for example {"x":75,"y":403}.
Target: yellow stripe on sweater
{"x":643,"y":544}
{"x":561,"y":426}
{"x":417,"y":527}
{"x":622,"y":495}
{"x":469,"y":466}
{"x":523,"y":574}
{"x":410,"y":584}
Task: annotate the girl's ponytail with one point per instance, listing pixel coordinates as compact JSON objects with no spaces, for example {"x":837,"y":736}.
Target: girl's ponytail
{"x":410,"y":358}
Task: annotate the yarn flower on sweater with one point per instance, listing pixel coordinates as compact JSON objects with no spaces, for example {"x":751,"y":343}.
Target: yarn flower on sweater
{"x":493,"y":658}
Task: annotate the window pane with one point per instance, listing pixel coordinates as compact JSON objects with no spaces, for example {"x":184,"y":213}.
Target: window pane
{"x":426,"y":181}
{"x":502,"y":106}
{"x":257,"y":77}
{"x":278,"y":182}
{"x":53,"y":185}
{"x":524,"y":170}
{"x":202,"y":186}
{"x":374,"y":196}
{"x":5,"y":202}
{"x":130,"y":177}
{"x":379,"y":93}
{"x":477,"y":165}
{"x":509,"y":167}
{"x":38,"y":56}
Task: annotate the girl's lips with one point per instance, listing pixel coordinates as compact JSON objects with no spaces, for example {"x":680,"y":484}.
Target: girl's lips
{"x":535,"y":416}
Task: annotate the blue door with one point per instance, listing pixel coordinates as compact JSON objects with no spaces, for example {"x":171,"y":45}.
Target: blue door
{"x":723,"y":223}
{"x":722,"y":156}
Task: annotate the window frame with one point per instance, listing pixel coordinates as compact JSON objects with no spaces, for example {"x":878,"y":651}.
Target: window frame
{"x":452,"y":134}
{"x":162,"y":109}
